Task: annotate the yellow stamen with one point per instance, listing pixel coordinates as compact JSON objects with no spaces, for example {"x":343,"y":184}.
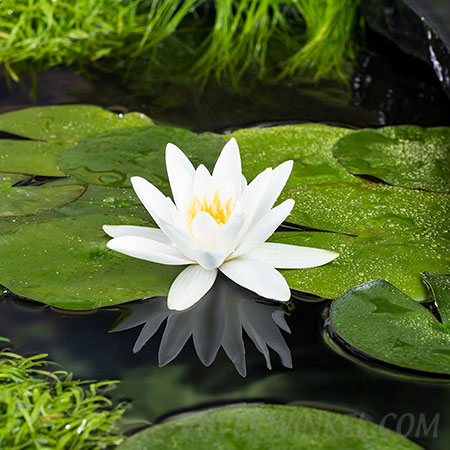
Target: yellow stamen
{"x":220,"y":213}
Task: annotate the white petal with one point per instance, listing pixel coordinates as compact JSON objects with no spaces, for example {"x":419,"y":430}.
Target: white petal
{"x":258,"y":277}
{"x":228,"y":166}
{"x":204,"y":229}
{"x":181,"y":175}
{"x":130,"y":230}
{"x":154,"y":200}
{"x":265,"y":227}
{"x":189,"y":287}
{"x":228,"y":236}
{"x":243,"y":183}
{"x":209,"y":259}
{"x":252,"y":194}
{"x":203,"y":184}
{"x":143,"y":248}
{"x":180,"y":238}
{"x":272,"y":190}
{"x":284,"y":256}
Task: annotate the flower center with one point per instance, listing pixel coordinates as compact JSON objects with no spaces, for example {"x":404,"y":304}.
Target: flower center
{"x":218,"y":211}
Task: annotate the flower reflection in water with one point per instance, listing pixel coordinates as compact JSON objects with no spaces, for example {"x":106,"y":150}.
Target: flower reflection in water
{"x":216,"y":321}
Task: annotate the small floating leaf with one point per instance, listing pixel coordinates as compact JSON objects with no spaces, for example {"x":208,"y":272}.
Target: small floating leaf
{"x":405,"y":155}
{"x":252,"y":428}
{"x":112,"y":158}
{"x":28,"y":200}
{"x":383,"y":322}
{"x":50,"y":129}
{"x":308,"y":145}
{"x":65,"y":263}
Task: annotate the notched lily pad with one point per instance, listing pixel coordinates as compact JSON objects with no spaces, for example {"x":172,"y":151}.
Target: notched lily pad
{"x":439,"y":285}
{"x":112,"y":158}
{"x":65,"y":263}
{"x":50,"y":129}
{"x":252,"y":428}
{"x":383,"y":322}
{"x":405,"y":155}
{"x":29,"y":200}
{"x":308,"y":145}
{"x":397,"y":234}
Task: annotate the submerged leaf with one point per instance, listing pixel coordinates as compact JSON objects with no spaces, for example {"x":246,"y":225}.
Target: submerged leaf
{"x":405,"y":155}
{"x":380,"y":320}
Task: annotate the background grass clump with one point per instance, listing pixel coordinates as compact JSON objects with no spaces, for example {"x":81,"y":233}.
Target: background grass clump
{"x":43,"y":409}
{"x":231,"y":36}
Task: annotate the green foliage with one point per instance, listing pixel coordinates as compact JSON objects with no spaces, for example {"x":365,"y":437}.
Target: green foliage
{"x":112,"y":34}
{"x":44,"y":409}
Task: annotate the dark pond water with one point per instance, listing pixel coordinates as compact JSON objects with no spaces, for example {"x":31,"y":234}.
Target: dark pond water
{"x":388,"y":89}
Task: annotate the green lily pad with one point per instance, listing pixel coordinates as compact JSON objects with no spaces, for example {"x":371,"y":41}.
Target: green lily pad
{"x":252,"y":428}
{"x":405,"y":155}
{"x":440,"y":289}
{"x":112,"y":158}
{"x":65,"y":263}
{"x":308,"y":145}
{"x":28,"y":200}
{"x":383,"y":322}
{"x":12,"y":222}
{"x":106,"y":200}
{"x":363,"y":258}
{"x":400,"y":233}
{"x":50,"y":129}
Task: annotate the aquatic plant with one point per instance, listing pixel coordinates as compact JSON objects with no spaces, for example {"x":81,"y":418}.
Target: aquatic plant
{"x":231,"y":35}
{"x":217,"y":223}
{"x":42,"y":408}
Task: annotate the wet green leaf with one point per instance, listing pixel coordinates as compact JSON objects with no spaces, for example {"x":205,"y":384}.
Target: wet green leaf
{"x":439,"y":286}
{"x":112,"y":158}
{"x":380,"y":320}
{"x":106,"y":200}
{"x":405,"y":155}
{"x":363,"y":258}
{"x":65,"y":263}
{"x":50,"y":129}
{"x":308,"y":145}
{"x":28,"y":200}
{"x":400,"y":233}
{"x":252,"y":428}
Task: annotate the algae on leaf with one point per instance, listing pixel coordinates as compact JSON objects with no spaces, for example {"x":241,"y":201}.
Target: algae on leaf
{"x":383,"y":322}
{"x":404,"y":155}
{"x":252,"y":428}
{"x":65,"y":263}
{"x":49,"y":129}
{"x":308,"y":145}
{"x":112,"y":158}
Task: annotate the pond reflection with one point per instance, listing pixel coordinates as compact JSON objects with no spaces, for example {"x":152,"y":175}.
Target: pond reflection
{"x":216,"y":320}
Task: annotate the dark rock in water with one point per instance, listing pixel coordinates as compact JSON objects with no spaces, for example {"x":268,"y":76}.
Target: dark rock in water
{"x":418,"y":27}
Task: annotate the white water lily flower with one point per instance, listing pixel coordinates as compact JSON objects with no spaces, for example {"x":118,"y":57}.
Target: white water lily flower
{"x":216,"y":223}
